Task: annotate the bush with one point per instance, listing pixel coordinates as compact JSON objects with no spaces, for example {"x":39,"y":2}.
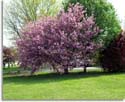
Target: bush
{"x":64,"y":42}
{"x":113,"y":57}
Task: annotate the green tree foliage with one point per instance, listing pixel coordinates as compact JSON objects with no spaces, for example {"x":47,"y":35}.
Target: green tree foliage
{"x":20,"y":12}
{"x":105,"y":16}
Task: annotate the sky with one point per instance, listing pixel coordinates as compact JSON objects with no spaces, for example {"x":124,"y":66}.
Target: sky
{"x":119,"y":6}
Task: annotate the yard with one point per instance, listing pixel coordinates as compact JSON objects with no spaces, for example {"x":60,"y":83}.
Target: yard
{"x":76,"y":85}
{"x":57,"y":35}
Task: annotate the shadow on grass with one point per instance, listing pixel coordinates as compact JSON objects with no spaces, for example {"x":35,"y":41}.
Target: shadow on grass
{"x":53,"y":77}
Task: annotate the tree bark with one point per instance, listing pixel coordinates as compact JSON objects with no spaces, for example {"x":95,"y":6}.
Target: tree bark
{"x":66,"y":71}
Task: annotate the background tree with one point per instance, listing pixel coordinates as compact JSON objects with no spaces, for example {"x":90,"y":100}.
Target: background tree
{"x":113,"y":57}
{"x":105,"y":16}
{"x":65,"y":41}
{"x":9,"y":56}
{"x":19,"y":12}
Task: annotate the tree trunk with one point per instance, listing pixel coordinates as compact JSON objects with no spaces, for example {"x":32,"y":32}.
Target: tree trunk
{"x":33,"y":70}
{"x":55,"y":69}
{"x":66,"y":71}
{"x":4,"y":65}
{"x":8,"y":64}
{"x":84,"y":70}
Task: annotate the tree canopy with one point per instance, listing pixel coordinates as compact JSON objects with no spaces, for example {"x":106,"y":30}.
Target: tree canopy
{"x":105,"y":15}
{"x":20,"y":12}
{"x":113,"y":57}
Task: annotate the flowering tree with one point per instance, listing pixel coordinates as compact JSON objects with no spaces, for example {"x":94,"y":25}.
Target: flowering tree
{"x":65,"y":41}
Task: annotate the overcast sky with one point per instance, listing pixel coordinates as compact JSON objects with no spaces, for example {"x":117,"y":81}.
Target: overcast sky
{"x":119,"y":6}
{"x":120,"y":10}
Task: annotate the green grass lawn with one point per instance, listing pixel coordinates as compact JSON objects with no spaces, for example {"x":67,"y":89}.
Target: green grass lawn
{"x":92,"y":85}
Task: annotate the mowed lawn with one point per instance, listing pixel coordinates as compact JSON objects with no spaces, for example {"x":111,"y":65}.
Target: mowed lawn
{"x":92,"y":85}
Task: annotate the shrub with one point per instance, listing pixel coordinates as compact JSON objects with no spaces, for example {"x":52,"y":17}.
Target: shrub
{"x":113,"y":57}
{"x":65,"y":41}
